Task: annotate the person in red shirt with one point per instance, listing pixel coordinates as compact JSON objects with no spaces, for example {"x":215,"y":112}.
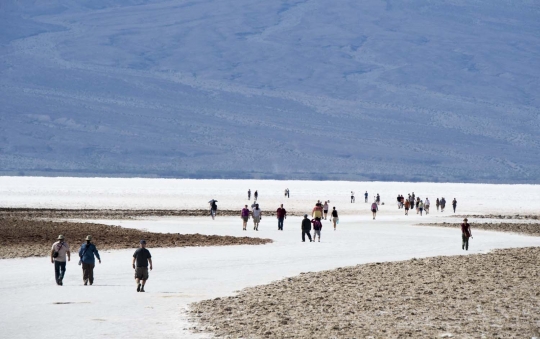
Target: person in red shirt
{"x":465,"y":234}
{"x":281,"y":214}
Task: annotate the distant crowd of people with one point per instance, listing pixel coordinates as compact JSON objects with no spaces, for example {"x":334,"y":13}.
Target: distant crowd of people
{"x":142,"y":259}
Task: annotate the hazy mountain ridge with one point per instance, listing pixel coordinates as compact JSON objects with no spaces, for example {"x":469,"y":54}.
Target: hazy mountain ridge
{"x":291,"y":89}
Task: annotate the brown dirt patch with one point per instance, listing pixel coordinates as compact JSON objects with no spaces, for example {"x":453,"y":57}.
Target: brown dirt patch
{"x":525,"y":228}
{"x":498,"y":216}
{"x":46,"y":213}
{"x":30,"y":238}
{"x":495,"y":295}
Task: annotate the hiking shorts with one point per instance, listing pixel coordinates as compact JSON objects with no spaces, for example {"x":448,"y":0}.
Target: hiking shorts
{"x":245,"y":219}
{"x":256,"y":220}
{"x":141,"y":273}
{"x":317,"y":233}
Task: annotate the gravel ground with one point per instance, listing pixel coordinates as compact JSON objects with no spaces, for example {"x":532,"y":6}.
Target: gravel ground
{"x":525,"y":228}
{"x":33,"y":213}
{"x":30,"y":238}
{"x":497,"y":216}
{"x":494,"y":295}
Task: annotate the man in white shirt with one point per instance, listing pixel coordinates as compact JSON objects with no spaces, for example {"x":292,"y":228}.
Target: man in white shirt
{"x":59,"y":251}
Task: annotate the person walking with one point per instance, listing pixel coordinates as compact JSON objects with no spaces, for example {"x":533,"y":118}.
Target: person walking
{"x":213,"y":208}
{"x":437,"y":203}
{"x":407,"y":205}
{"x":374,"y":209}
{"x":317,"y":227}
{"x":443,"y":203}
{"x":411,"y":202}
{"x":245,"y":217}
{"x":256,"y":195}
{"x":59,"y":252}
{"x":426,"y":206}
{"x":417,"y":205}
{"x":257,"y":216}
{"x":454,"y":204}
{"x":281,"y":215}
{"x":87,"y":260}
{"x":249,"y":194}
{"x":420,"y":207}
{"x":141,"y":258}
{"x":335,"y":217}
{"x":378,"y":199}
{"x":325,"y":209}
{"x":352,"y":197}
{"x":306,"y":228}
{"x":365,"y":197}
{"x":288,"y":193}
{"x":465,"y":234}
{"x":317,"y":211}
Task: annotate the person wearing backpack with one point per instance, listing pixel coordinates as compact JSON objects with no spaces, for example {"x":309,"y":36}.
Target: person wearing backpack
{"x":87,"y":261}
{"x":317,"y":227}
{"x":374,"y":209}
{"x":59,"y":251}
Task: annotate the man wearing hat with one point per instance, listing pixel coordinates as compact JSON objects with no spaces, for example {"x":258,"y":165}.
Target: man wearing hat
{"x":141,"y":258}
{"x":59,"y":251}
{"x":465,"y":234}
{"x":86,"y":255}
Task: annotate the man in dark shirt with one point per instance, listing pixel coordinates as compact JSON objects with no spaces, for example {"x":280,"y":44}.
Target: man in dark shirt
{"x":465,"y":234}
{"x":306,"y":228}
{"x":141,"y":258}
{"x":281,"y":214}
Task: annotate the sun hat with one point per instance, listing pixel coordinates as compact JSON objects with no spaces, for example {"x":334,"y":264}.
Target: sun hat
{"x":89,"y":237}
{"x":60,"y":237}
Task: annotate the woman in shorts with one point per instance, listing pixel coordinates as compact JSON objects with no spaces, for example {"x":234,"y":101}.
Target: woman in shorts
{"x":374,"y":209}
{"x":257,"y":215}
{"x":245,"y":217}
{"x":407,"y":206}
{"x":334,"y":217}
{"x":325,"y":209}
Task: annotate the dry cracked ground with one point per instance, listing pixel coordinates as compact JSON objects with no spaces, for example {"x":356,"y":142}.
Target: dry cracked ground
{"x":494,"y":295}
{"x":28,"y":238}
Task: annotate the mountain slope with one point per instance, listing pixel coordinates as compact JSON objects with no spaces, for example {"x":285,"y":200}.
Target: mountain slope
{"x":362,"y":90}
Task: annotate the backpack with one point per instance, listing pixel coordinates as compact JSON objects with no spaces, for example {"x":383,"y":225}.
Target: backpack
{"x":317,"y":225}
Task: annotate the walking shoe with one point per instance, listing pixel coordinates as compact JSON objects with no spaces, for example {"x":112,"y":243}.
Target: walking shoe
{"x":85,"y":282}
{"x":91,"y":283}
{"x":138,"y":287}
{"x":142,"y":288}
